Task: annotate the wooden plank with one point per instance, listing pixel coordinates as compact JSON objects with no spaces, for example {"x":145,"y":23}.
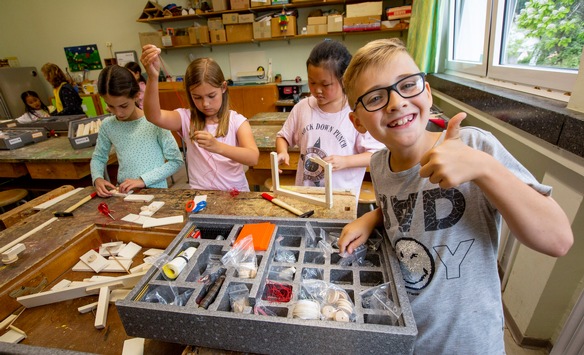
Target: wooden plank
{"x":48,"y":297}
{"x":56,"y":199}
{"x":102,"y":308}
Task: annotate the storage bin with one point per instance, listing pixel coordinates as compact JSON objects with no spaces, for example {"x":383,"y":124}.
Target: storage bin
{"x":84,"y":140}
{"x":219,"y":327}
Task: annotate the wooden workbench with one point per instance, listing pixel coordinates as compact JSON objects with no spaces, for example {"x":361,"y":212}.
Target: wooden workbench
{"x":269,"y":118}
{"x":50,"y":159}
{"x":50,"y":254}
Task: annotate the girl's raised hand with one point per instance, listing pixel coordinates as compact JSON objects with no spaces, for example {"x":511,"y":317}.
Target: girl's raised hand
{"x":452,"y":162}
{"x":150,"y":59}
{"x":207,"y":141}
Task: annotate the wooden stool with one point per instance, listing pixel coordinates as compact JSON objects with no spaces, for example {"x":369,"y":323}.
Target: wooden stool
{"x":366,"y":198}
{"x":9,"y":197}
{"x":285,"y":180}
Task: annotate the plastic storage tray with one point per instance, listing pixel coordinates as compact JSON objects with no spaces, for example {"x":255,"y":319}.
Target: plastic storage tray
{"x":56,"y":123}
{"x":373,"y":332}
{"x":13,"y":138}
{"x":86,"y":140}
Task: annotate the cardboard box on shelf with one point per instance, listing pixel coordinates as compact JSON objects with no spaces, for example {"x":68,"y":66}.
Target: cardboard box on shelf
{"x":317,"y":20}
{"x":290,"y":27}
{"x":219,"y":5}
{"x":257,"y":3}
{"x":166,"y":41}
{"x":364,"y":23}
{"x":154,"y":38}
{"x":262,"y":29}
{"x":246,"y":18}
{"x":395,"y":13}
{"x":215,"y":23}
{"x":217,"y":36}
{"x":180,"y":40}
{"x":374,"y":8}
{"x":239,"y":4}
{"x":335,"y":23}
{"x":280,"y":2}
{"x":229,"y":19}
{"x":198,"y":35}
{"x":316,"y":29}
{"x":239,"y":33}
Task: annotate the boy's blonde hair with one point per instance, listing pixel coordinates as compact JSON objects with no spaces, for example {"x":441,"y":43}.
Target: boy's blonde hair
{"x":373,"y":54}
{"x":206,"y":70}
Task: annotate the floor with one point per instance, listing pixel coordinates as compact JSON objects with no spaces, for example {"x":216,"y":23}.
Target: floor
{"x":180,"y":182}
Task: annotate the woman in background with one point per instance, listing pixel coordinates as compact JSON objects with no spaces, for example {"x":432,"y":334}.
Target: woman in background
{"x":137,"y":71}
{"x":67,"y":100}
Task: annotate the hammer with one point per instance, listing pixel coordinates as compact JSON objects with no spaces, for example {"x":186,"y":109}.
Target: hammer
{"x":286,"y":206}
{"x":69,"y":211}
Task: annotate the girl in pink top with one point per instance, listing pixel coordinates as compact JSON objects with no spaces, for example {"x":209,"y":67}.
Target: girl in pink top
{"x":219,"y":141}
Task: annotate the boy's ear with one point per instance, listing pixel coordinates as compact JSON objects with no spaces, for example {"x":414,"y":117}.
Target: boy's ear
{"x":357,"y":123}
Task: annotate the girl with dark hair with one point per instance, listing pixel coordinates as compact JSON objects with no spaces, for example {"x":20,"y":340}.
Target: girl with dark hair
{"x":67,"y":100}
{"x":34,"y":107}
{"x":147,"y":154}
{"x":137,"y":72}
{"x":320,"y":125}
{"x":219,"y":141}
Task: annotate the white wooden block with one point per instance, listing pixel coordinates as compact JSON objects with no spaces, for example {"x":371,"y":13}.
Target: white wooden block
{"x":133,"y":346}
{"x":95,"y":278}
{"x":71,"y":292}
{"x":141,"y":267}
{"x":13,"y":336}
{"x":59,"y":198}
{"x":102,"y":307}
{"x":95,"y":261}
{"x":112,"y":248}
{"x":111,"y":266}
{"x":139,"y":198}
{"x":129,"y":251}
{"x":119,"y":294}
{"x":61,"y":284}
{"x":149,"y":210}
{"x":87,"y":308}
{"x":7,"y":321}
{"x":155,"y":222}
{"x":153,"y":251}
{"x":134,"y":218}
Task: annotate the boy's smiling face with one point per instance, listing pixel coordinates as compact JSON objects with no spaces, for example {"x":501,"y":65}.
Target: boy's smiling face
{"x":402,"y":122}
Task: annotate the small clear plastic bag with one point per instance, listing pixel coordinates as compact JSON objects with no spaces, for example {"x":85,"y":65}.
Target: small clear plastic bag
{"x":379,"y":298}
{"x":310,"y":236}
{"x":334,"y":302}
{"x":283,"y":255}
{"x":261,"y":308}
{"x":167,"y":295}
{"x":243,"y":258}
{"x":239,"y":298}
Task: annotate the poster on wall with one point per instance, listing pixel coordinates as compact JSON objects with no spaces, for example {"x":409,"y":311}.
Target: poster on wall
{"x":84,"y":57}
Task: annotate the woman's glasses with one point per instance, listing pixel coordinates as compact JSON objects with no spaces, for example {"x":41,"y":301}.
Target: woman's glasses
{"x":410,"y":86}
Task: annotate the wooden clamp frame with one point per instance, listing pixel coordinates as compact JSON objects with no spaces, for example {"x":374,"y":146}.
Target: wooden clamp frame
{"x":328,"y":186}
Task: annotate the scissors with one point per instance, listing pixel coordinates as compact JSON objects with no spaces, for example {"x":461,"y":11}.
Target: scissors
{"x":191,"y":207}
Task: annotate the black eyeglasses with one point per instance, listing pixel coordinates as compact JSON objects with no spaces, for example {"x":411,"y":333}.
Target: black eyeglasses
{"x":410,"y":86}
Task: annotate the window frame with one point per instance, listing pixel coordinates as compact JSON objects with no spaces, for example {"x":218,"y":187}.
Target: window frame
{"x":549,"y":78}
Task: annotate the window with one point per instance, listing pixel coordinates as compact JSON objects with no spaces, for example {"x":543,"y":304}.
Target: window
{"x":533,"y":42}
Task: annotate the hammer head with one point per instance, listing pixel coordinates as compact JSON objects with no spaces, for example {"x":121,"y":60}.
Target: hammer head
{"x":307,"y":214}
{"x":63,"y":214}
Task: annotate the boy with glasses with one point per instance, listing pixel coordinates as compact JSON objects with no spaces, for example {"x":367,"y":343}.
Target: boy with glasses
{"x":441,"y":198}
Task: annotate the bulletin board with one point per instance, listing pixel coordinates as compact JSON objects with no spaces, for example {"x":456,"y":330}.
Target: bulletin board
{"x":84,"y":57}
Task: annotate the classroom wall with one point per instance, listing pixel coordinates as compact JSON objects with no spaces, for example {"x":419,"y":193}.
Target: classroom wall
{"x":36,"y":31}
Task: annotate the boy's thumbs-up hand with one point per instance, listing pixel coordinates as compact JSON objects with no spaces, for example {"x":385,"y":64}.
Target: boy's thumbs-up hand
{"x":452,"y":162}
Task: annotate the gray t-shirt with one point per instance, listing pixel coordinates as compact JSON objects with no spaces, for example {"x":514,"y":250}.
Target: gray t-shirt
{"x":446,"y":242}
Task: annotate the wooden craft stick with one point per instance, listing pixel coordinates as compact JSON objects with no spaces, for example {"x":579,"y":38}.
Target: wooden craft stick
{"x":102,"y":307}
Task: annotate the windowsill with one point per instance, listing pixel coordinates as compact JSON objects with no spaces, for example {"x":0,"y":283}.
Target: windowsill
{"x":542,"y":117}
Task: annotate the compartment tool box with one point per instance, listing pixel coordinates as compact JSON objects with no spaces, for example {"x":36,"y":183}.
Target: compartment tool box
{"x":12,"y":138}
{"x":218,"y":327}
{"x":56,"y":123}
{"x":81,"y":132}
